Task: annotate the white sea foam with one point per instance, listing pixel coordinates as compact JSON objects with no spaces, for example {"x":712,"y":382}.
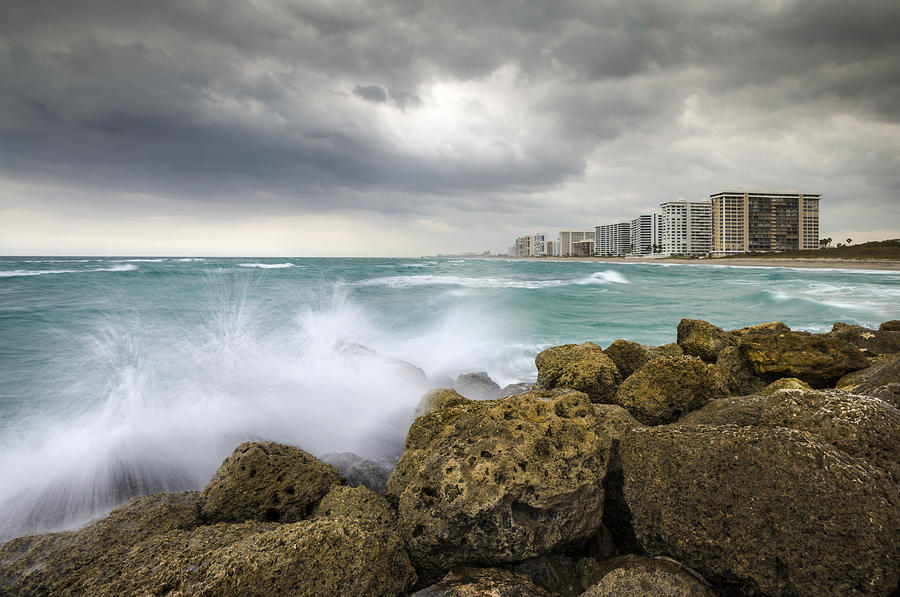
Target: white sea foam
{"x":128,"y":267}
{"x":268,"y":265}
{"x":605,"y":277}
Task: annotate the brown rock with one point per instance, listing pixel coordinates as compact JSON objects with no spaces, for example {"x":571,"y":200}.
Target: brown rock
{"x":785,"y":383}
{"x":361,"y":472}
{"x":774,"y":507}
{"x":628,"y":356}
{"x":500,"y":481}
{"x":702,"y":339}
{"x":879,"y":379}
{"x":818,"y":359}
{"x":737,"y":373}
{"x":358,"y":503}
{"x":267,"y":481}
{"x":477,"y":386}
{"x":773,"y":327}
{"x":438,"y":398}
{"x":870,"y":342}
{"x":890,"y":326}
{"x":665,"y":388}
{"x":582,"y":367}
{"x":465,"y":581}
{"x":635,"y":576}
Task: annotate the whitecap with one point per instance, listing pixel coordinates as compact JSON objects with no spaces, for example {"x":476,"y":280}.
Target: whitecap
{"x":127,"y":267}
{"x":267,"y":265}
{"x":606,"y":277}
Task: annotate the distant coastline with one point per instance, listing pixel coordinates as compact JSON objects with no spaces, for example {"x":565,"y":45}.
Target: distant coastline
{"x":810,"y":263}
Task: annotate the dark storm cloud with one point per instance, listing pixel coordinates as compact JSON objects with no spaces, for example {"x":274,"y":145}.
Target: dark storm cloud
{"x":311,"y":100}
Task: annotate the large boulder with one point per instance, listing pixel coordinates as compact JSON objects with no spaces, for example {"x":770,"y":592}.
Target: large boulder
{"x":870,"y":342}
{"x":582,"y":367}
{"x":267,"y":481}
{"x":500,"y":481}
{"x":358,"y":503}
{"x":776,"y":508}
{"x":785,"y":383}
{"x":881,"y":379}
{"x":702,"y":339}
{"x":772,"y":327}
{"x":437,"y":399}
{"x":635,"y":576}
{"x":466,"y":581}
{"x":890,"y":326}
{"x":818,"y":359}
{"x":861,"y":426}
{"x":665,"y":388}
{"x":477,"y":386}
{"x":628,"y":356}
{"x":738,"y":373}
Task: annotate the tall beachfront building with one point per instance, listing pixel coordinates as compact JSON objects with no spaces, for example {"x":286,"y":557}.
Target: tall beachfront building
{"x":612,"y":239}
{"x":523,"y":247}
{"x":744,"y":222}
{"x":645,"y":234}
{"x":686,"y":227}
{"x":567,"y":237}
{"x":538,"y":247}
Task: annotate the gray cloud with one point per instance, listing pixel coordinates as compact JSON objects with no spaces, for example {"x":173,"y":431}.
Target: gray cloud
{"x":434,"y":107}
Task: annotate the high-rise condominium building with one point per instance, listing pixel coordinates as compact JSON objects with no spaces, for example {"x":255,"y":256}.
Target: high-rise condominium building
{"x":567,"y":237}
{"x":538,"y":247}
{"x":744,"y":222}
{"x":645,"y":234}
{"x":612,"y":239}
{"x":523,"y":246}
{"x":686,"y":227}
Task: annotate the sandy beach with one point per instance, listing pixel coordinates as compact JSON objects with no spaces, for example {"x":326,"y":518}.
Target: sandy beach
{"x":855,"y":264}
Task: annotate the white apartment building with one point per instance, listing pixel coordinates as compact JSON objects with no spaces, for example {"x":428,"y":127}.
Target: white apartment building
{"x":567,"y":237}
{"x":523,"y":247}
{"x":645,"y":234}
{"x":538,"y":247}
{"x":686,"y":227}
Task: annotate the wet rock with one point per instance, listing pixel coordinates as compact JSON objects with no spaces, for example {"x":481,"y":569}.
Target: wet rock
{"x":477,"y":386}
{"x":267,"y":481}
{"x":875,"y":380}
{"x":870,"y":342}
{"x":465,"y":581}
{"x":361,"y":472}
{"x":665,"y":388}
{"x":772,"y":327}
{"x":737,"y":373}
{"x":628,"y":356}
{"x":500,"y":481}
{"x":785,"y":383}
{"x":582,"y":367}
{"x":818,"y":359}
{"x":702,"y":339}
{"x":635,"y":576}
{"x":358,"y":503}
{"x":404,"y":370}
{"x":516,"y":388}
{"x":437,"y":399}
{"x":774,"y":507}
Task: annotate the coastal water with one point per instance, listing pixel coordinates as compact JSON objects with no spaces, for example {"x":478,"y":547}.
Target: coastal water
{"x":123,"y":376}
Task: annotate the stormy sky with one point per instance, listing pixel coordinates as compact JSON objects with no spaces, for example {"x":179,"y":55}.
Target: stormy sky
{"x":397,"y":127}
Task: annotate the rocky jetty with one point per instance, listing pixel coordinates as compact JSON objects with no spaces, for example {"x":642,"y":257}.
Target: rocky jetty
{"x":759,"y":461}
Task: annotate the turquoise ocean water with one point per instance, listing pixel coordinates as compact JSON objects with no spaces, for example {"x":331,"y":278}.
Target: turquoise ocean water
{"x":121,"y":376}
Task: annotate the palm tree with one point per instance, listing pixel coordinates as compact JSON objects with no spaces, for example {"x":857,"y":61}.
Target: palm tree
{"x":849,"y":240}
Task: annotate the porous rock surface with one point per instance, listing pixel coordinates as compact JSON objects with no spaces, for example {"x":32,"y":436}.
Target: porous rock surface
{"x":466,"y":581}
{"x":772,"y":327}
{"x":785,"y":383}
{"x":358,"y":503}
{"x":861,"y":426}
{"x":266,"y":481}
{"x":702,"y":339}
{"x":665,"y":388}
{"x":737,"y":373}
{"x":582,"y":367}
{"x":881,"y":379}
{"x":439,"y":398}
{"x":870,"y":342}
{"x":818,"y":359}
{"x":631,"y":356}
{"x":776,"y":508}
{"x":636,"y":576}
{"x":500,"y":481}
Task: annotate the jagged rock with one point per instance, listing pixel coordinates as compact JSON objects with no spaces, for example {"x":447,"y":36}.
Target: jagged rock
{"x":890,"y":326}
{"x":862,"y":426}
{"x":871,"y":342}
{"x":556,"y":573}
{"x":702,"y":339}
{"x":774,"y":507}
{"x":358,"y":503}
{"x":477,"y":386}
{"x":614,"y":422}
{"x":880,"y":379}
{"x":267,"y":481}
{"x":667,"y":387}
{"x":818,"y":359}
{"x":785,"y":383}
{"x":437,"y":399}
{"x":516,"y":388}
{"x":666,"y":350}
{"x":582,"y":367}
{"x":59,"y":563}
{"x":738,"y":373}
{"x":772,"y":327}
{"x":359,"y":471}
{"x":500,"y":481}
{"x":636,"y":576}
{"x":465,"y":581}
{"x":628,"y":356}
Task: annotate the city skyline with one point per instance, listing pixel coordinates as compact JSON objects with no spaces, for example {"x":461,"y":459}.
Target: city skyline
{"x":317,"y":128}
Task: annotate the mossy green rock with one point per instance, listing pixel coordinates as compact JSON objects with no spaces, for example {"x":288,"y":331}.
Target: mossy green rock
{"x":785,"y":383}
{"x":818,"y":359}
{"x":665,"y":388}
{"x":466,"y":581}
{"x":582,"y":367}
{"x":358,"y":503}
{"x":500,"y":481}
{"x":267,"y":481}
{"x":636,"y":576}
{"x":870,"y":342}
{"x":702,"y":339}
{"x":773,"y":507}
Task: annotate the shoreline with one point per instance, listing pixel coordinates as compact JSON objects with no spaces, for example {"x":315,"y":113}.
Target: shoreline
{"x":812,"y":263}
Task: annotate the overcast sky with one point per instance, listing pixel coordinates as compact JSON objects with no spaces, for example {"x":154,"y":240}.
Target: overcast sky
{"x":400,"y":127}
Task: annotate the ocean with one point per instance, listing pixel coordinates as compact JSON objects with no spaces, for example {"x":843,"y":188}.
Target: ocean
{"x":123,"y":376}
